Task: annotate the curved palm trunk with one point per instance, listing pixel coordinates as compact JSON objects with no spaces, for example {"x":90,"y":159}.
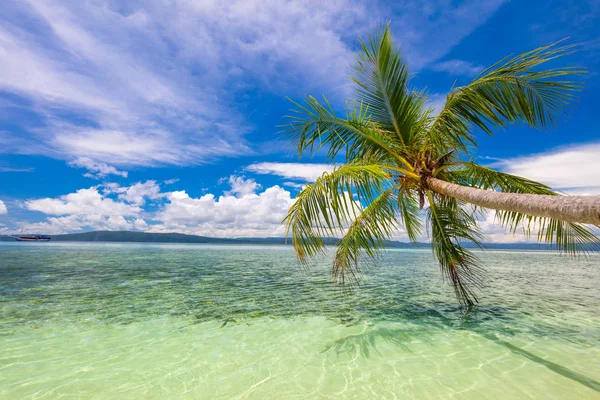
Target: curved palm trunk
{"x":584,"y":209}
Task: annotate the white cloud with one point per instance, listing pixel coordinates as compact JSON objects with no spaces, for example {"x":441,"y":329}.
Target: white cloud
{"x":294,"y":185}
{"x":428,"y":30}
{"x":139,"y":192}
{"x":436,"y":102}
{"x":155,"y":81}
{"x":139,"y":224}
{"x":298,"y":171}
{"x":96,"y":169}
{"x":190,"y":58}
{"x":132,"y":148}
{"x":92,"y":209}
{"x":575,"y":170}
{"x":82,"y":202}
{"x":241,"y":187}
{"x":458,"y":67}
{"x":171,"y":181}
{"x":45,"y":79}
{"x":239,"y":212}
{"x":253,"y":214}
{"x":74,"y":223}
{"x":16,"y":169}
{"x":3,"y":209}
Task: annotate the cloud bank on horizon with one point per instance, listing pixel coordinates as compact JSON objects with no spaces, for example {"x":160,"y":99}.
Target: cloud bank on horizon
{"x":246,"y":210}
{"x":108,"y":104}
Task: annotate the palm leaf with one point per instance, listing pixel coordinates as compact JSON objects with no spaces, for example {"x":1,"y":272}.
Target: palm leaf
{"x":368,"y":233}
{"x":511,"y":91}
{"x":450,"y":225}
{"x":314,"y":126}
{"x":409,"y":214}
{"x":570,"y":237}
{"x":381,"y":78}
{"x":326,"y":206}
{"x":472,"y":174}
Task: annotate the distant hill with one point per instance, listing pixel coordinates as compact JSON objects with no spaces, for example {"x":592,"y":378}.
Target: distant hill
{"x":144,"y":237}
{"x":128,"y":236}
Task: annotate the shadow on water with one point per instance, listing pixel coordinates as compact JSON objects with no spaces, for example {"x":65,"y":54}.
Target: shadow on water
{"x":475,"y":327}
{"x":365,"y":343}
{"x":559,"y":369}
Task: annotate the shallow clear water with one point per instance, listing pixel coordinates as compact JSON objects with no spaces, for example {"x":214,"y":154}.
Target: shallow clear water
{"x":100,"y":321}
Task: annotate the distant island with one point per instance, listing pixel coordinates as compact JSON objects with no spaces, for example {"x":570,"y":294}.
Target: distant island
{"x":145,"y":237}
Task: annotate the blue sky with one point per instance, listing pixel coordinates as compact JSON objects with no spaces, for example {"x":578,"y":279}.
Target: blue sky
{"x":163,"y":115}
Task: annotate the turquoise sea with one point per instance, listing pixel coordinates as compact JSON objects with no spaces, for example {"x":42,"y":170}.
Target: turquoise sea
{"x":145,"y":321}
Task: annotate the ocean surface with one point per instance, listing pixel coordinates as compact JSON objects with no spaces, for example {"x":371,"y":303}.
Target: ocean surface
{"x":146,"y":321}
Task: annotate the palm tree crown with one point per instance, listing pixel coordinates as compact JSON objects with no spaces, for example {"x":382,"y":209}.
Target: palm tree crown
{"x":400,"y":158}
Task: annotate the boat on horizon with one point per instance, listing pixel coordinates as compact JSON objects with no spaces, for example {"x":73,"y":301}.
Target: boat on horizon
{"x":32,"y":238}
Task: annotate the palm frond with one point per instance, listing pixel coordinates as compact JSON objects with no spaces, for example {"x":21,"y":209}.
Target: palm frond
{"x":570,"y":237}
{"x":450,"y":225}
{"x":381,"y":77}
{"x":409,"y":213}
{"x":472,"y":174}
{"x":511,"y":91}
{"x":314,"y":126}
{"x":324,"y":207}
{"x":368,"y":233}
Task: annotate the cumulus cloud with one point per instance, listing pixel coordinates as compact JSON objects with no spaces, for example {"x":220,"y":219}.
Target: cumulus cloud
{"x":574,"y":170}
{"x":298,"y":171}
{"x":82,"y":202}
{"x":253,"y":214}
{"x":3,"y":209}
{"x":241,"y":186}
{"x":96,"y":169}
{"x":243,"y":210}
{"x":74,"y":223}
{"x":294,"y":185}
{"x":104,"y":207}
{"x":495,"y":233}
{"x":139,"y":192}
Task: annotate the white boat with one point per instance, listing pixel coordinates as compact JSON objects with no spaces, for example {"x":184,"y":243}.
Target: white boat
{"x":32,"y":238}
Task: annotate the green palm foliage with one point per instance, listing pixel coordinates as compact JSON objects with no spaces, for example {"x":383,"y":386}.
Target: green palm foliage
{"x":391,"y":143}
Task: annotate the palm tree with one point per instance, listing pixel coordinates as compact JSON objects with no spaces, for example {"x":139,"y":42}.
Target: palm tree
{"x":399,"y":157}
